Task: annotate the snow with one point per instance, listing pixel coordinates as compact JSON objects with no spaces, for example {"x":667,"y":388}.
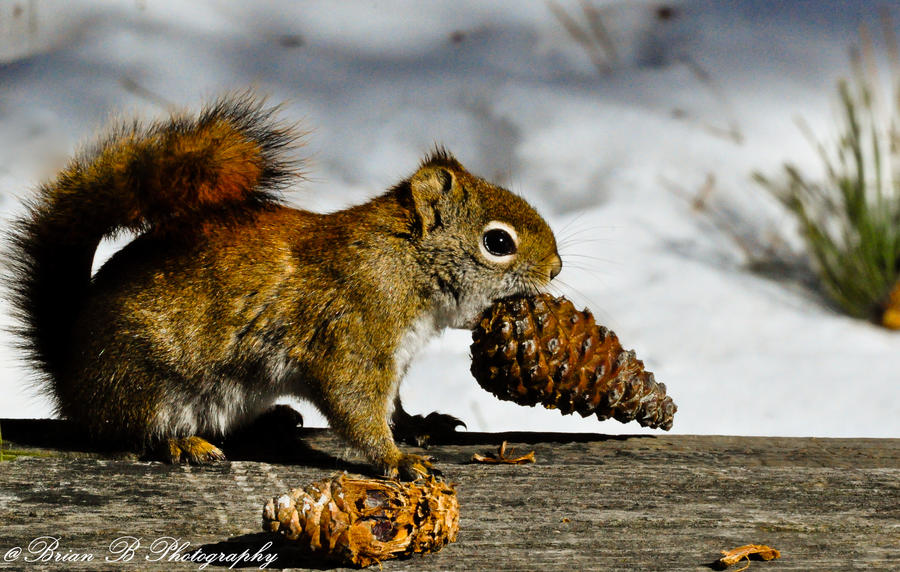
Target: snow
{"x":704,"y":98}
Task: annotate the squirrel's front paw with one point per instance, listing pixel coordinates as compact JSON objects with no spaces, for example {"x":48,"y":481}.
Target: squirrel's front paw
{"x":412,"y":467}
{"x":193,"y":450}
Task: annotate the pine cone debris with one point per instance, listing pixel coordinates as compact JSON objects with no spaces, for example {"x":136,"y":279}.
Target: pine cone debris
{"x":364,"y":521}
{"x":503,"y":456}
{"x":540,"y":349}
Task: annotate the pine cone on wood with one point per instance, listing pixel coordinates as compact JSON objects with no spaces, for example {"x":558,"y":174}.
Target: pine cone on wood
{"x":364,"y":521}
{"x":540,"y":349}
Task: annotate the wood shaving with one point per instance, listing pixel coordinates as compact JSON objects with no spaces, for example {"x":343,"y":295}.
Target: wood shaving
{"x":735,"y":555}
{"x":502,"y":457}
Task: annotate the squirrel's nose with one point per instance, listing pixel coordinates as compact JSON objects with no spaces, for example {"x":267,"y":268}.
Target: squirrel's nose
{"x":556,"y":268}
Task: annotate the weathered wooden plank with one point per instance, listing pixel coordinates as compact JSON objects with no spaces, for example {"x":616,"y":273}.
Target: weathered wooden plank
{"x":592,"y":502}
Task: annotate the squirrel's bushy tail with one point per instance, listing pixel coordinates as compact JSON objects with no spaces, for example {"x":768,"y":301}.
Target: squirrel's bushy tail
{"x":139,"y":177}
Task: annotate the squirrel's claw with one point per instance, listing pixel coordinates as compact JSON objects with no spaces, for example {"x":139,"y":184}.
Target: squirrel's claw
{"x":422,"y":431}
{"x":194,"y":450}
{"x":438,"y":428}
{"x":413,"y":467}
{"x":445,"y":423}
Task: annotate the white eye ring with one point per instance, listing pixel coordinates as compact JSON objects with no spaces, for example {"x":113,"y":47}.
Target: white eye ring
{"x":489,"y":232}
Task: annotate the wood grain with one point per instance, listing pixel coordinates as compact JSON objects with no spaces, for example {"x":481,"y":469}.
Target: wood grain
{"x":591,"y":502}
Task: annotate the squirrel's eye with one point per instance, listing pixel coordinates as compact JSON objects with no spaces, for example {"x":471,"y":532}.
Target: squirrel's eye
{"x":498,"y":242}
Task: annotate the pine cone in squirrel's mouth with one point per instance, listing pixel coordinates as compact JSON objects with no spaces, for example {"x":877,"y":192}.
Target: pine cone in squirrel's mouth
{"x":540,"y":349}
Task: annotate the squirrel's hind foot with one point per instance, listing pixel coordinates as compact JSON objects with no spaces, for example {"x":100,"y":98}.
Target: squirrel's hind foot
{"x":194,"y":450}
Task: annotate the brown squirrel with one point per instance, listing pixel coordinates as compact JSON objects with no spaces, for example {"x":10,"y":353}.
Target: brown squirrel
{"x":227,"y":299}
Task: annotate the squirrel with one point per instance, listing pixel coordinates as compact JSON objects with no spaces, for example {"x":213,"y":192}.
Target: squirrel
{"x":227,"y":299}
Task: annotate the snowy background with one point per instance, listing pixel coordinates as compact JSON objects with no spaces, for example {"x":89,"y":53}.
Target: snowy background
{"x":628,"y":143}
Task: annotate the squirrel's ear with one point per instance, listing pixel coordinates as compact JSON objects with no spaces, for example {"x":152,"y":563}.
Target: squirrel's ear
{"x":427,"y":187}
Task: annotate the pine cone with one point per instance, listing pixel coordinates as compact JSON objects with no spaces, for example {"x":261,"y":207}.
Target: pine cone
{"x":540,"y":349}
{"x":364,"y":521}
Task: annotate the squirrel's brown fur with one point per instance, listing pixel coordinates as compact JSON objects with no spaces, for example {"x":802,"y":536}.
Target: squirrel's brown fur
{"x":139,"y":178}
{"x":228,"y":299}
